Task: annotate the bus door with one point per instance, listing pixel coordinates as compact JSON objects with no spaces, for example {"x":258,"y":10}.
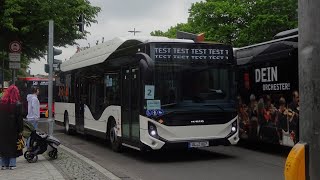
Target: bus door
{"x":79,"y":105}
{"x":130,"y":103}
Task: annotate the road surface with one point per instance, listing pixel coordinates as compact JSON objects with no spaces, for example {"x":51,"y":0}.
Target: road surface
{"x":242,"y":162}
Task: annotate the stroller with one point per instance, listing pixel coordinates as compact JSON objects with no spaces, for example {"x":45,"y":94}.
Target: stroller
{"x":39,"y":143}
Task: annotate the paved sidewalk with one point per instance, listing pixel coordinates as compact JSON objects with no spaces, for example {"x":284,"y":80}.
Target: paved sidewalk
{"x":70,"y":165}
{"x":73,"y":165}
{"x":41,"y":170}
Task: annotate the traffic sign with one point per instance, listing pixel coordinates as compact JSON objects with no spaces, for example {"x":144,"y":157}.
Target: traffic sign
{"x":15,"y":46}
{"x":14,"y":65}
{"x":14,"y":57}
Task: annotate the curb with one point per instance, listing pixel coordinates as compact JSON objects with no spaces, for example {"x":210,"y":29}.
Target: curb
{"x":105,"y":172}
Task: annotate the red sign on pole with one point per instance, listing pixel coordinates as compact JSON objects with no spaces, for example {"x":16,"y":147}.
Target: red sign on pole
{"x":15,"y":46}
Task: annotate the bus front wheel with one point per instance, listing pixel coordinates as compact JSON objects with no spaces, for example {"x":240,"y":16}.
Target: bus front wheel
{"x":113,"y":138}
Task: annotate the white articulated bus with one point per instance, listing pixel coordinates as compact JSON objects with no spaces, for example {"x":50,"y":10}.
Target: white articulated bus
{"x":150,"y":93}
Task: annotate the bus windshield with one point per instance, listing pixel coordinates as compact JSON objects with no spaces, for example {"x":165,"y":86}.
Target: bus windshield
{"x":197,"y":84}
{"x":192,"y":73}
{"x":43,"y":94}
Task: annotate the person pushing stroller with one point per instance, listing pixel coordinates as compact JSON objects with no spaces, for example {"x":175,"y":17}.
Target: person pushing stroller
{"x":33,"y":109}
{"x":39,"y":143}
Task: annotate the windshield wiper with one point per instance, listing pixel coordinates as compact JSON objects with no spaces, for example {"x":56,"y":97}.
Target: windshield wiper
{"x":216,"y":91}
{"x":215,"y":106}
{"x":169,"y":105}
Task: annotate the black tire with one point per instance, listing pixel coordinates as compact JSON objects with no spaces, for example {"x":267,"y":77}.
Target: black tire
{"x":30,"y":157}
{"x":50,"y":154}
{"x":67,"y":129}
{"x":25,"y":155}
{"x":114,"y":140}
{"x":53,"y":154}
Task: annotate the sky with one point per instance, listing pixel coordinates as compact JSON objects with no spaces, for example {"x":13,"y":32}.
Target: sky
{"x":117,"y":17}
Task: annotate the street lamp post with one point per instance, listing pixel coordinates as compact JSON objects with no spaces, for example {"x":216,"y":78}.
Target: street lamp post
{"x":51,"y":53}
{"x":50,"y":85}
{"x":2,"y":75}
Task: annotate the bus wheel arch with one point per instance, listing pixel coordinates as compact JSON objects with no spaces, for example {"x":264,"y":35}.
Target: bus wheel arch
{"x":66,"y":123}
{"x":112,"y":137}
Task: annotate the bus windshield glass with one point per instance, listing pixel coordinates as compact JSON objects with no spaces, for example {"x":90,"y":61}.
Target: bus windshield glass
{"x":191,"y":83}
{"x":43,"y":94}
{"x":198,"y":73}
{"x":25,"y":85}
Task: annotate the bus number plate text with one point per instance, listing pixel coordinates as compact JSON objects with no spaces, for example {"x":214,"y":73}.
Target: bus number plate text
{"x":198,"y":144}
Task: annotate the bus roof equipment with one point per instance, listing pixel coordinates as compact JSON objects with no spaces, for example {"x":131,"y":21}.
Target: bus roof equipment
{"x":101,"y":52}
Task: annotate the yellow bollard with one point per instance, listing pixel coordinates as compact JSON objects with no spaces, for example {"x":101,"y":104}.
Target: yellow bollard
{"x":295,"y":168}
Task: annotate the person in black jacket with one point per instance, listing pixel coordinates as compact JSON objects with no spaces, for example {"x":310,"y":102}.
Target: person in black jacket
{"x":11,"y":126}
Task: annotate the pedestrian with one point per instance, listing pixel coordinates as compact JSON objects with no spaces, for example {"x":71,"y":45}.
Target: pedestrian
{"x":33,"y":109}
{"x":11,"y":126}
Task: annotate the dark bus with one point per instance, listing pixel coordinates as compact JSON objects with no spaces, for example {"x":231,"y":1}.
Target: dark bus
{"x":268,"y":90}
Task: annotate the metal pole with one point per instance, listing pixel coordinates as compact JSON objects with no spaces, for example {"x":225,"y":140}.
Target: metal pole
{"x":309,"y":82}
{"x":50,"y":85}
{"x":2,"y":74}
{"x":13,"y":76}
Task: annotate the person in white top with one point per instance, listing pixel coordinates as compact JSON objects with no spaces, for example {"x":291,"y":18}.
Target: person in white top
{"x":33,"y":109}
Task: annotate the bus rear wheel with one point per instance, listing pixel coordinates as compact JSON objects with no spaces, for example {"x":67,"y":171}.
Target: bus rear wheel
{"x":113,"y":138}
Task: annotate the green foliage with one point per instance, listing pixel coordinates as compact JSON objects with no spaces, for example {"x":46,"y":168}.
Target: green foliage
{"x":238,"y":22}
{"x":172,"y":31}
{"x":268,"y":17}
{"x":158,"y":33}
{"x":27,"y":21}
{"x":5,"y":59}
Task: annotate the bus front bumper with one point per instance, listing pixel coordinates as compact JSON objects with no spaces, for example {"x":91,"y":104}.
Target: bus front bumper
{"x":160,"y":143}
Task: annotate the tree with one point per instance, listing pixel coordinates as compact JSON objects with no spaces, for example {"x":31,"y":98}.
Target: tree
{"x":267,"y":18}
{"x":172,"y":31}
{"x":240,"y":22}
{"x":221,"y":20}
{"x":27,"y":22}
{"x":158,"y":33}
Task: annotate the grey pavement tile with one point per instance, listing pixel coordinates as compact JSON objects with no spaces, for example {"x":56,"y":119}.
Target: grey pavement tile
{"x":32,"y":171}
{"x":67,"y":166}
{"x":73,"y":168}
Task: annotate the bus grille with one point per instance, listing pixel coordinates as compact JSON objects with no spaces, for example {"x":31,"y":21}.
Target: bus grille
{"x":191,"y":119}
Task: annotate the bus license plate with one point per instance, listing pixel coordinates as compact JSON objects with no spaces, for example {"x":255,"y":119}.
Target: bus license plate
{"x":199,"y":144}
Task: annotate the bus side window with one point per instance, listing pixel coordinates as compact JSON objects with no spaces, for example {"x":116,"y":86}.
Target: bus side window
{"x":112,"y":89}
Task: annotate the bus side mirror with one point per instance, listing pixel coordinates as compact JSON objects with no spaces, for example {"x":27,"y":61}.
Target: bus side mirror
{"x":146,"y":67}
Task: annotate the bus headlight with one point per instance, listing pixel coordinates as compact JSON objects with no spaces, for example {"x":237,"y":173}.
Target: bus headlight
{"x":234,"y":126}
{"x":152,"y":130}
